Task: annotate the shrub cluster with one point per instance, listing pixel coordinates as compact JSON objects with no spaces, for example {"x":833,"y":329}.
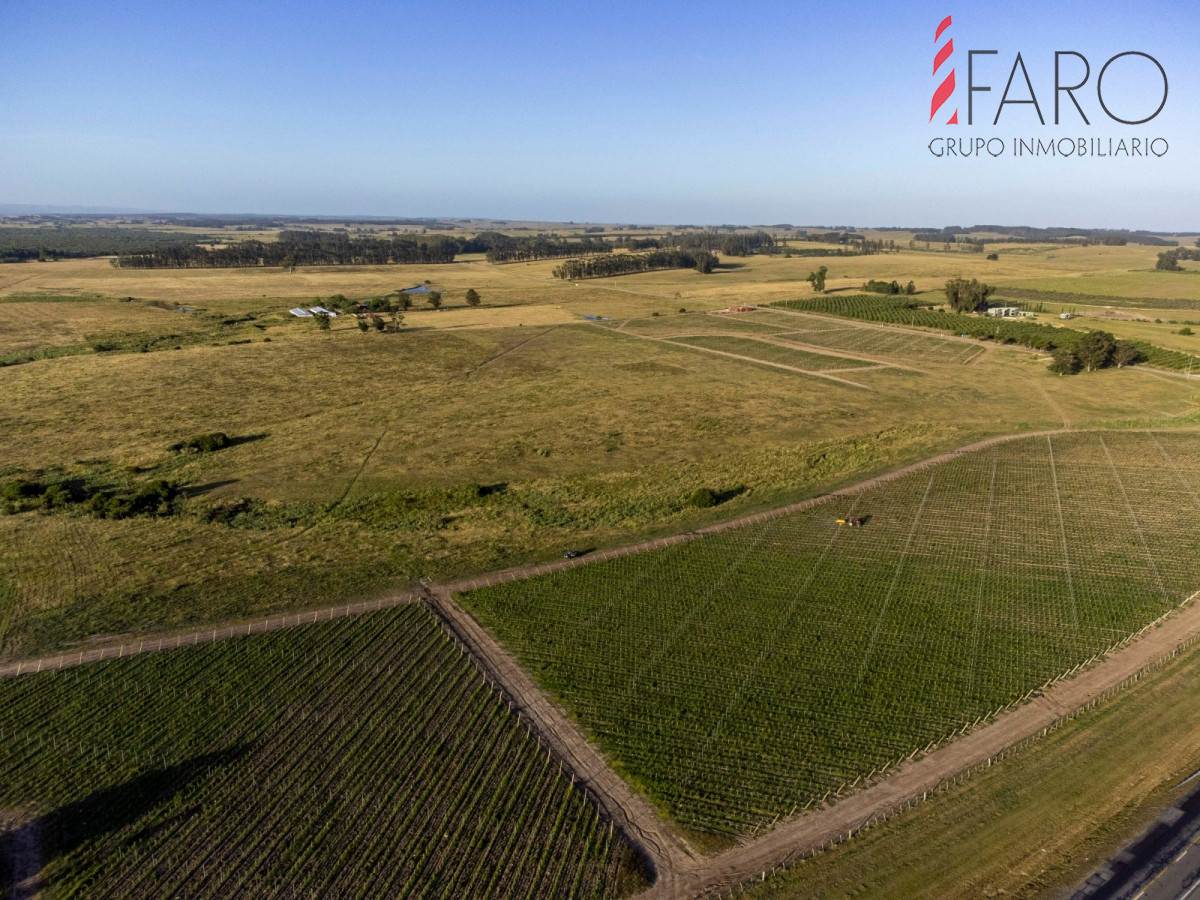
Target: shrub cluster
{"x":203,"y":443}
{"x":153,"y":498}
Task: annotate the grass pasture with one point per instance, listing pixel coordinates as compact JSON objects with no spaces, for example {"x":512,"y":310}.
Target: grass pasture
{"x":38,"y":323}
{"x":743,"y":676}
{"x":893,"y":344}
{"x":356,"y":455}
{"x":772,"y":352}
{"x":365,"y":757}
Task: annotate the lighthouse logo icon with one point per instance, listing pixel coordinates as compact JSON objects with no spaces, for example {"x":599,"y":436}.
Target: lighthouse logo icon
{"x":946,"y":89}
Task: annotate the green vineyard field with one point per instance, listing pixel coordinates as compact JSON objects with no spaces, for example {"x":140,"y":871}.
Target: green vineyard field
{"x":365,"y":757}
{"x":905,"y":311}
{"x":742,"y":676}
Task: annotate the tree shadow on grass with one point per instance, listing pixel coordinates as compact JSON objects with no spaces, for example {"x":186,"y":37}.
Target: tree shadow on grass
{"x":246,"y":439}
{"x":26,"y":849}
{"x":729,"y":494}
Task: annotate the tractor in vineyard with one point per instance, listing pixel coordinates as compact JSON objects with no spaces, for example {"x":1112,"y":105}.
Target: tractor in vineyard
{"x":853,"y":523}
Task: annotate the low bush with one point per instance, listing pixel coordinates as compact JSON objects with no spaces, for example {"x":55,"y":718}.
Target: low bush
{"x":203,"y":443}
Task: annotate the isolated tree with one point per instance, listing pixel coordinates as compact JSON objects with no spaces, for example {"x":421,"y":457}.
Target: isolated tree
{"x":363,"y":325}
{"x":967,"y":296}
{"x":817,"y":279}
{"x":910,"y":288}
{"x":1168,"y":261}
{"x":1065,"y":362}
{"x":1126,"y":353}
{"x":322,"y":320}
{"x":435,"y":300}
{"x":1095,"y":349}
{"x":377,"y":322}
{"x":403,"y":301}
{"x":397,"y":320}
{"x":473,"y":298}
{"x":1186,"y":331}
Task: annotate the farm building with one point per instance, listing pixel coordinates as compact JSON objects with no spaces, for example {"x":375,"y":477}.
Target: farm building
{"x":300,"y":313}
{"x":1003,"y":312}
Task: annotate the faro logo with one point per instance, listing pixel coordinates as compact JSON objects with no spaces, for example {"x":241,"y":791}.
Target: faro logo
{"x":1065,"y":61}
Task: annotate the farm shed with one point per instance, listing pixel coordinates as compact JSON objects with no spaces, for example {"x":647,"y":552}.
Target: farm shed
{"x":300,"y":313}
{"x":1003,"y":312}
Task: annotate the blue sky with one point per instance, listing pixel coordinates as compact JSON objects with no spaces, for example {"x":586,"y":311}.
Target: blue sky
{"x":664,"y":112}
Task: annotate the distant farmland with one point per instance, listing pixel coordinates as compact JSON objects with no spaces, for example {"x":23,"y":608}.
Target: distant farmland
{"x":362,"y":758}
{"x":743,"y":676}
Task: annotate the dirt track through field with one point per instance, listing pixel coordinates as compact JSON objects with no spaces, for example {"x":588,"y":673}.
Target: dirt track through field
{"x":631,"y":812}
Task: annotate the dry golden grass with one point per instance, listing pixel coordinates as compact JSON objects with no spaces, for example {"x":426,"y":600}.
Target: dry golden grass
{"x":33,"y":325}
{"x":599,"y":436}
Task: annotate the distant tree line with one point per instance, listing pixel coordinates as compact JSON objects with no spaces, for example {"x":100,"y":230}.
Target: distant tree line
{"x":49,"y":243}
{"x":628,"y":263}
{"x":1113,"y":237}
{"x":504,"y":248}
{"x":736,"y":244}
{"x":299,"y":248}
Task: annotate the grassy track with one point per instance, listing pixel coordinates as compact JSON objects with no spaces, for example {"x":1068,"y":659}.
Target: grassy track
{"x":746,"y":675}
{"x":365,"y":757}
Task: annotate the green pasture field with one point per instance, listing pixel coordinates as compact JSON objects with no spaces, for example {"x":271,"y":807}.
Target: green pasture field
{"x":365,"y":757}
{"x":742,"y":677}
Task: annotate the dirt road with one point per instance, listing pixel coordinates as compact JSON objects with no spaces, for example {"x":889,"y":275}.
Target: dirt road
{"x":662,"y":849}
